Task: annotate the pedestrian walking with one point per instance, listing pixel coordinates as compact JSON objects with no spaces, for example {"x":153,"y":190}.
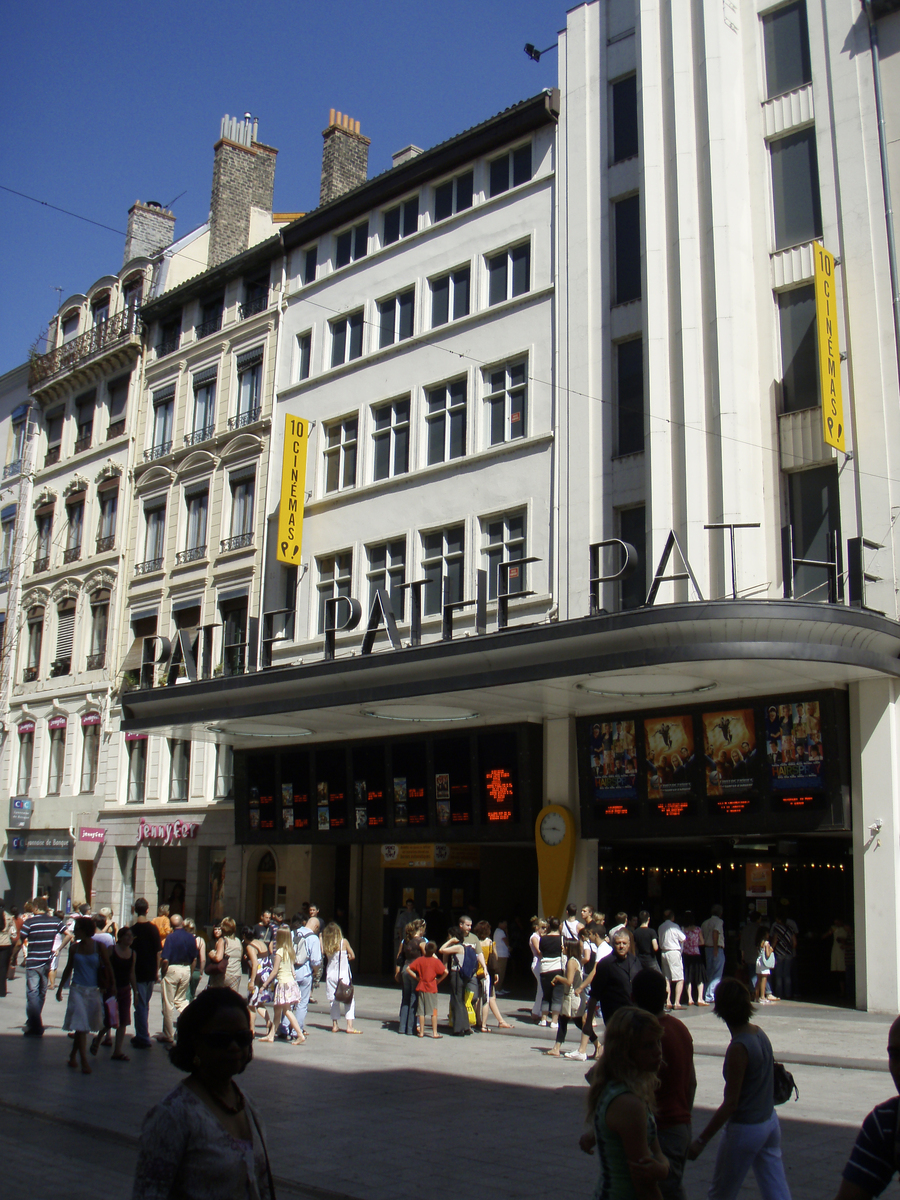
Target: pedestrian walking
{"x":671,"y":940}
{"x":646,"y":941}
{"x":538,"y":929}
{"x":200,"y":964}
{"x":286,"y":992}
{"x":162,"y":922}
{"x":620,"y":1106}
{"x":259,"y":960}
{"x":338,"y":954}
{"x":122,"y":960}
{"x":307,"y":966}
{"x":783,"y":940}
{"x":677,"y":1081}
{"x":9,"y":939}
{"x":38,"y":935}
{"x":610,"y":987}
{"x":752,"y":1137}
{"x":206,"y":1138}
{"x":88,"y":968}
{"x":873,"y":1160}
{"x":551,"y":968}
{"x":488,"y":979}
{"x":410,"y":949}
{"x":765,"y":964}
{"x":227,"y":951}
{"x":179,"y":954}
{"x":573,"y":1007}
{"x":692,"y":958}
{"x":713,"y":930}
{"x":501,"y":948}
{"x":427,"y":971}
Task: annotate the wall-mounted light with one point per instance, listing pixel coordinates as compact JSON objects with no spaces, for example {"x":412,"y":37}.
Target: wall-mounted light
{"x":535,"y":55}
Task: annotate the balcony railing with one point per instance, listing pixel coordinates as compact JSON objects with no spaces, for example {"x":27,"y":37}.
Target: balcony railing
{"x":30,"y":674}
{"x":4,"y":575}
{"x":148,"y":566}
{"x":168,"y":345}
{"x":106,"y":543}
{"x":244,"y":418}
{"x":103,"y":337}
{"x":52,"y":456}
{"x":41,"y":564}
{"x":61,"y":666}
{"x":199,"y":435}
{"x":205,"y":328}
{"x":157,"y":451}
{"x":116,"y":429}
{"x":13,"y":468}
{"x":257,"y":305}
{"x":238,"y":542}
{"x":72,"y":554}
{"x":96,"y":662}
{"x":189,"y":556}
{"x":83,"y":443}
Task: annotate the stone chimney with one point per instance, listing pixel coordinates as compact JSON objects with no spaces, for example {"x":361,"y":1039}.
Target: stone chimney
{"x":243,"y":180}
{"x":345,"y":157}
{"x":150,"y":229}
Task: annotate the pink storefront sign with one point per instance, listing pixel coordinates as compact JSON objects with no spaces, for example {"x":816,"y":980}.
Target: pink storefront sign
{"x":91,"y":835}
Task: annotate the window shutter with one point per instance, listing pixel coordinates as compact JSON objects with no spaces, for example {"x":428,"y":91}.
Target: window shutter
{"x":249,"y":359}
{"x":64,"y":633}
{"x":164,"y":394}
{"x":207,"y":375}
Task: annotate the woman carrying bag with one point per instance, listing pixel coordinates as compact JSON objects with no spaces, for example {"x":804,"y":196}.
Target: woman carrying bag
{"x":228,"y":950}
{"x":338,"y":982}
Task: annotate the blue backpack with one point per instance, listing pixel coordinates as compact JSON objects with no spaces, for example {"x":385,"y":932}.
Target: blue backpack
{"x":468,"y":963}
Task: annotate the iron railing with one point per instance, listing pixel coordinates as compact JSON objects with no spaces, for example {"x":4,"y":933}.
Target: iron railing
{"x":116,"y":429}
{"x":106,"y":543}
{"x":51,"y":457}
{"x":72,"y":554}
{"x":199,"y":435}
{"x":13,"y":468}
{"x":148,"y":566}
{"x":61,"y":666}
{"x":157,"y":451}
{"x":238,"y":542}
{"x":168,"y":345}
{"x":189,"y":556}
{"x":4,"y":575}
{"x":245,"y":418}
{"x":103,"y":337}
{"x":41,"y":564}
{"x":257,"y":305}
{"x":205,"y":328}
{"x":96,"y":662}
{"x":83,"y":443}
{"x":30,"y":674}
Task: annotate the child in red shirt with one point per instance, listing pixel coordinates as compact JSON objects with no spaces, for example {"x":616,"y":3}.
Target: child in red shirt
{"x":429,"y":971}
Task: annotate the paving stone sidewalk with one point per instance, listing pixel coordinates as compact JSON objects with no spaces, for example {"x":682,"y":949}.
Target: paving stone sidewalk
{"x":363,"y":1098}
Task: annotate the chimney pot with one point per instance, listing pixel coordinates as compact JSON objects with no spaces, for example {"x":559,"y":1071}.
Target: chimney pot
{"x":331,"y":116}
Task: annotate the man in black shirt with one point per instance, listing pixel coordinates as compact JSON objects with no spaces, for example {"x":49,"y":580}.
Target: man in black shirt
{"x":39,"y":932}
{"x":147,"y":947}
{"x":179,"y":953}
{"x":263,"y":932}
{"x":610,"y":983}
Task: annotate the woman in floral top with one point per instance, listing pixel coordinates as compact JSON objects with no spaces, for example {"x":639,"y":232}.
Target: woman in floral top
{"x":205,"y":1140}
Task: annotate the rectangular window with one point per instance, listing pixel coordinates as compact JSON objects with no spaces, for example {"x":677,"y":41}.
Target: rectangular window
{"x":509,"y":274}
{"x":7,"y":535}
{"x":795,"y":189}
{"x":204,"y":418}
{"x":224,"y":772}
{"x":234,"y":636}
{"x":395,"y":318}
{"x":17,"y":444}
{"x":453,"y":196}
{"x":210,"y":317}
{"x":340,"y":454}
{"x":35,"y":640}
{"x":163,"y":419}
{"x":133,"y":293}
{"x":26,"y":759}
{"x":310,"y":264}
{"x":799,"y":349}
{"x":65,"y":632}
{"x":387,"y":570}
{"x":154,"y":534}
{"x":351,"y":245}
{"x":505,"y":401}
{"x":391,"y":439}
{"x":304,"y":347}
{"x":84,"y":421}
{"x":74,"y":530}
{"x":627,"y":221}
{"x":90,"y":756}
{"x":100,"y":311}
{"x":180,"y":768}
{"x":443,"y":554}
{"x":69,"y":327}
{"x":106,"y":530}
{"x":99,"y":628}
{"x":118,"y":400}
{"x":625,"y":119}
{"x":169,"y":337}
{"x":197,"y":505}
{"x":249,"y":393}
{"x":137,"y":770}
{"x":815,"y":518}
{"x":256,"y":296}
{"x":401,"y":221}
{"x":504,"y":541}
{"x":786,"y":45}
{"x":335,"y":576}
{"x":509,"y":170}
{"x":57,"y":761}
{"x":633,"y":590}
{"x":630,"y":397}
{"x":450,"y":297}
{"x":445,"y":421}
{"x":242,"y":495}
{"x":54,"y":436}
{"x":346,"y":338}
{"x":44,"y":529}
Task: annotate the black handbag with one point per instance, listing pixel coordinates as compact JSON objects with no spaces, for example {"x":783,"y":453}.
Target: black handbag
{"x":785,"y":1085}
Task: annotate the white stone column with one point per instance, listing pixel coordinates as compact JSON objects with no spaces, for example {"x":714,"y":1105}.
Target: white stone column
{"x":561,"y":787}
{"x":875,"y":775}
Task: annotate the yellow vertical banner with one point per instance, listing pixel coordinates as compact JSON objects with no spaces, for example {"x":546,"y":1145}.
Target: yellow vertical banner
{"x":829,"y":349}
{"x":293,"y":490}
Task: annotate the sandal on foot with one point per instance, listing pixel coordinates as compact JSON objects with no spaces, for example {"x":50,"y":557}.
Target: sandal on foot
{"x":354,"y":1031}
{"x":504,"y":1025}
{"x":119,"y":1058}
{"x":95,"y":1044}
{"x":86,"y":1071}
{"x":436,"y":1036}
{"x":70,"y":1062}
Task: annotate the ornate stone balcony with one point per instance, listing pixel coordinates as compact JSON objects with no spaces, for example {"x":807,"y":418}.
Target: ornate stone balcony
{"x":117,"y":339}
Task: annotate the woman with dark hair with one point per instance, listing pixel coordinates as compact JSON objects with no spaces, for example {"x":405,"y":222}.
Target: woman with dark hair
{"x":228,"y":949}
{"x":620,"y":1107}
{"x":205,"y":1139}
{"x":573,"y":1007}
{"x":692,"y":957}
{"x":552,"y":965}
{"x":453,"y":953}
{"x":410,"y":949}
{"x":752,"y":1133}
{"x":646,"y":943}
{"x":88,"y":966}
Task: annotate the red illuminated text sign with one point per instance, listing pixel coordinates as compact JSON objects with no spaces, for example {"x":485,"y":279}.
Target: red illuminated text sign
{"x":498,"y":787}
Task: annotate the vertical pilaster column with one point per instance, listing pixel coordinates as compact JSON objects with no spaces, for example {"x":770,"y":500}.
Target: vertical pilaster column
{"x":561,"y":787}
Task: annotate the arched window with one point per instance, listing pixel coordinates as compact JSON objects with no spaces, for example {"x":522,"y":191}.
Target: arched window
{"x":99,"y":627}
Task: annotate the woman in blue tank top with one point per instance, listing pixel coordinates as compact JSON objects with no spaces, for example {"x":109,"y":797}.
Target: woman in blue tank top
{"x":620,"y":1109}
{"x":752,"y":1133}
{"x":89,"y":968}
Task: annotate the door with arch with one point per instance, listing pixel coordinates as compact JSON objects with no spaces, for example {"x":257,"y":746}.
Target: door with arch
{"x":265,"y":884}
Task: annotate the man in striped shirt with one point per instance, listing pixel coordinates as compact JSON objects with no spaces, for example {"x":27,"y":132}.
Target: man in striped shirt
{"x":38,"y":932}
{"x":876,"y":1155}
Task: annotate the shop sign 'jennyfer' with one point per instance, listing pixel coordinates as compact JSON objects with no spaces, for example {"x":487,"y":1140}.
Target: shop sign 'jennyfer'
{"x":171,"y":831}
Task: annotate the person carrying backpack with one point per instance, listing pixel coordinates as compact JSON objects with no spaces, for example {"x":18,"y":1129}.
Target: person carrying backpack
{"x":463,"y":960}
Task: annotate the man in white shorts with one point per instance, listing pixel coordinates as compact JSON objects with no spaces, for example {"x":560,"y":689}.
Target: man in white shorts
{"x":671,"y":939}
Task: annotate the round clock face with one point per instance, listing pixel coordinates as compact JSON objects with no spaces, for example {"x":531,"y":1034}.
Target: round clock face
{"x":553,"y":829}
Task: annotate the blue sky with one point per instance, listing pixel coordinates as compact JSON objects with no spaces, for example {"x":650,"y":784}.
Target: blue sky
{"x":107,"y":103}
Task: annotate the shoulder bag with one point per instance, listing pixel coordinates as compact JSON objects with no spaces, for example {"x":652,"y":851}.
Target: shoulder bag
{"x":343,"y":992}
{"x":216,"y":968}
{"x":784,"y":1085}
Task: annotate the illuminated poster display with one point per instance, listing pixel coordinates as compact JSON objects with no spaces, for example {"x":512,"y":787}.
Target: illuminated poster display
{"x":794,"y":749}
{"x":730,"y":753}
{"x":409,"y":768}
{"x":498,"y":774}
{"x":295,"y":791}
{"x":613,"y":757}
{"x":369,"y":788}
{"x":453,"y":766}
{"x":331,"y":798}
{"x":265,"y":814}
{"x":669,"y":755}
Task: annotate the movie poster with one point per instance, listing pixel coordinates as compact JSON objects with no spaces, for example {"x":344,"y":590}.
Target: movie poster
{"x":613,"y":758}
{"x":729,"y":747}
{"x":669,"y":745}
{"x":401,"y":816}
{"x":794,"y":749}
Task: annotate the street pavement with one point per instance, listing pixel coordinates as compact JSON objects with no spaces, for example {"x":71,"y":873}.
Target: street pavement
{"x":382,"y":1117}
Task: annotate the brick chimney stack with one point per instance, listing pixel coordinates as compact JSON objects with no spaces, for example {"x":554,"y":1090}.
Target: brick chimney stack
{"x":243,"y":180}
{"x":345,"y":157}
{"x":150,"y":228}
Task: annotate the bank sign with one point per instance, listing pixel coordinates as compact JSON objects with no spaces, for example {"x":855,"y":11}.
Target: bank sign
{"x":20,"y":812}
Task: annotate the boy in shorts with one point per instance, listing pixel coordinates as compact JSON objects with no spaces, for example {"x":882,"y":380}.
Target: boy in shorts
{"x":428,"y":971}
